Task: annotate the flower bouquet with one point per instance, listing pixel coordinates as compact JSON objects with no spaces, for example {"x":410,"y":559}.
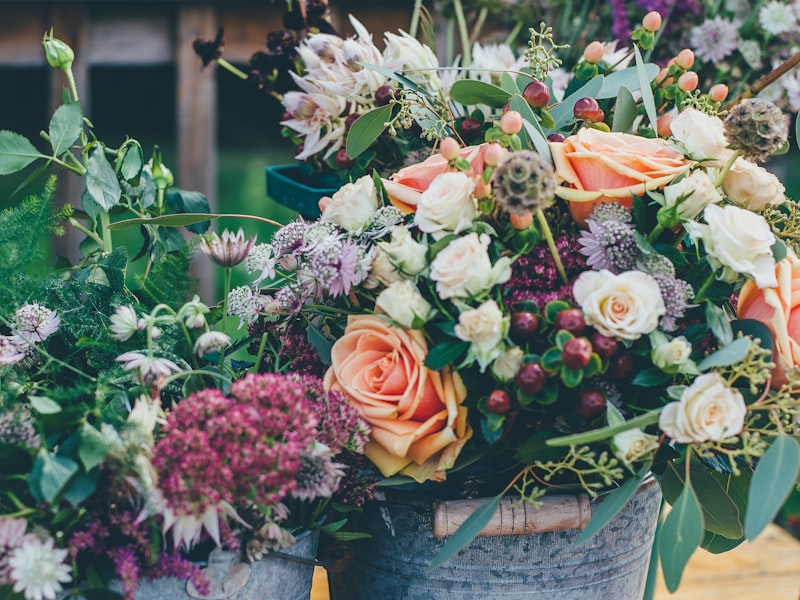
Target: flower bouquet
{"x":138,"y":441}
{"x":566,"y":306}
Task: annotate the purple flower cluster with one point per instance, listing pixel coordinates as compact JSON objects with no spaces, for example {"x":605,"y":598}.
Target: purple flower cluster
{"x":297,"y":352}
{"x":621,"y":27}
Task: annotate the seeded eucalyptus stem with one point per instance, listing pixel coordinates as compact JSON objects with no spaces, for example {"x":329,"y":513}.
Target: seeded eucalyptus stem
{"x":548,"y":235}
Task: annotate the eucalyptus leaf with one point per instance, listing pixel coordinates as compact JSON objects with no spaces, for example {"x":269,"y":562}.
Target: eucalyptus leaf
{"x":611,"y":505}
{"x":774,"y":478}
{"x":65,"y":127}
{"x":51,"y":474}
{"x":719,"y":323}
{"x":101,"y":181}
{"x":647,"y":94}
{"x":445,"y":353}
{"x":470,"y":92}
{"x":93,"y":446}
{"x":651,"y":378}
{"x":755,"y":329}
{"x":182,"y":220}
{"x":468,"y":531}
{"x":627,"y":78}
{"x":532,"y":129}
{"x":399,"y":77}
{"x":681,"y":534}
{"x":16,"y":152}
{"x":727,"y":355}
{"x":321,"y":343}
{"x":509,"y":83}
{"x":368,"y":128}
{"x":625,"y":111}
{"x":80,"y":488}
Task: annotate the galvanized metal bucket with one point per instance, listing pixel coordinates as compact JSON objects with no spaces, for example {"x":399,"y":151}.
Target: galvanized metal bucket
{"x":393,"y":564}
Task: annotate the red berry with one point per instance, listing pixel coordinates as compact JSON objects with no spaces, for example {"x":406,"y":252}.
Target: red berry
{"x":537,"y":94}
{"x":383,"y":95}
{"x":621,"y":366}
{"x":606,"y":347}
{"x":588,"y":110}
{"x":531,"y":378}
{"x":470,"y":129}
{"x":591,"y":403}
{"x":343,"y":161}
{"x":498,"y":402}
{"x":556,"y":137}
{"x":524,"y":326}
{"x":351,"y":118}
{"x":570,"y":319}
{"x":577,"y":352}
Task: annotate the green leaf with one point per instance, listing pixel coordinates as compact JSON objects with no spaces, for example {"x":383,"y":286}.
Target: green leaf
{"x":531,"y":126}
{"x":627,"y":78}
{"x":562,"y":112}
{"x":93,"y":446}
{"x":81,"y":488}
{"x":719,"y":323}
{"x":509,"y":83}
{"x":45,"y":406}
{"x":470,"y":92}
{"x":51,"y":474}
{"x":774,"y":478}
{"x":651,"y":378}
{"x":647,"y":94}
{"x":321,"y":344}
{"x":552,"y":309}
{"x":551,"y":360}
{"x":445,"y":353}
{"x":603,"y":433}
{"x":779,"y":250}
{"x":755,"y":329}
{"x":182,"y":220}
{"x":571,"y":377}
{"x":727,"y":355}
{"x":368,"y":128}
{"x":409,"y":83}
{"x":65,"y":127}
{"x":625,"y":111}
{"x":101,"y":181}
{"x":681,"y":534}
{"x":183,"y":201}
{"x":468,"y":531}
{"x":114,"y":266}
{"x":132,"y":163}
{"x":797,"y":132}
{"x":16,"y":152}
{"x":612,"y":503}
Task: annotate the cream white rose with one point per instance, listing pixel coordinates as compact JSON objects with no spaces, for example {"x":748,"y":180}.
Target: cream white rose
{"x":403,"y":303}
{"x":751,"y":186}
{"x":353,"y":205}
{"x":709,"y":410}
{"x":404,"y":255}
{"x":383,"y":268}
{"x":702,"y":136}
{"x":738,"y":241}
{"x":670,"y":356}
{"x":626,"y":306}
{"x":484,"y":327}
{"x":507,"y":364}
{"x":632,"y":445}
{"x":447,"y":206}
{"x":463,"y":268}
{"x":692,"y":194}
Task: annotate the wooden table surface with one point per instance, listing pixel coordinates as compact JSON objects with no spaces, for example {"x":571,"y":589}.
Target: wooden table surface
{"x":767,"y":569}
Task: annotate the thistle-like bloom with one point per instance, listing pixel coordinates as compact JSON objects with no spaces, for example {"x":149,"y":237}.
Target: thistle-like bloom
{"x":211,"y":341}
{"x":261,"y":258}
{"x":227,"y":250}
{"x":34,"y":323}
{"x":756,"y":128}
{"x":150,"y":368}
{"x":10,"y":352}
{"x":319,"y":475}
{"x":714,"y":39}
{"x":124,"y":323}
{"x":38,"y":568}
{"x":609,"y":243}
{"x":778,"y":17}
{"x":524,"y":182}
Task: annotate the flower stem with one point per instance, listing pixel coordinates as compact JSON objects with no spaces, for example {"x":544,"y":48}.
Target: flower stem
{"x":476,"y":28}
{"x":466,"y":51}
{"x":105,"y":221}
{"x":224,"y":318}
{"x":657,"y":231}
{"x":232,"y":69}
{"x":548,"y":235}
{"x":260,"y":355}
{"x":734,"y":155}
{"x":699,"y":296}
{"x":414,"y":25}
{"x":73,"y":89}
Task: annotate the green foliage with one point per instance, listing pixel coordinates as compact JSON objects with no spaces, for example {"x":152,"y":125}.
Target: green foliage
{"x":168,"y":282}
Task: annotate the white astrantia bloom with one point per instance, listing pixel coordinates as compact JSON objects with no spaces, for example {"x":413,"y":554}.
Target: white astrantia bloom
{"x":38,"y":568}
{"x":777,"y":17}
{"x":261,"y":260}
{"x":124,"y":323}
{"x":193,"y":313}
{"x":211,"y":341}
{"x":34,"y":323}
{"x":10,"y":352}
{"x":150,"y":368}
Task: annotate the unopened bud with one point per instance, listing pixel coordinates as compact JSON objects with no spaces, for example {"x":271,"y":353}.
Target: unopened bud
{"x":594,"y":52}
{"x":685,"y":59}
{"x":718,"y":92}
{"x":449,"y":148}
{"x":688,"y":81}
{"x":652,"y":21}
{"x":58,"y":54}
{"x":664,"y":125}
{"x":511,"y":122}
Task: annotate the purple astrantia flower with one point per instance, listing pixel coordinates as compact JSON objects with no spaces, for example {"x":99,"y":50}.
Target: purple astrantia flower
{"x":609,"y":243}
{"x":714,"y":39}
{"x":34,"y":323}
{"x":319,"y":475}
{"x":17,"y":427}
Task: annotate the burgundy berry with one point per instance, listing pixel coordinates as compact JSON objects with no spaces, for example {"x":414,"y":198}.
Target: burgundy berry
{"x":524,"y":326}
{"x":570,"y":319}
{"x":591,"y":403}
{"x":577,"y":352}
{"x":351,"y":118}
{"x":606,"y":347}
{"x":498,"y":402}
{"x":469,"y":129}
{"x":383,"y":95}
{"x":537,"y":94}
{"x":343,"y":161}
{"x":588,"y":109}
{"x":556,"y":137}
{"x":531,"y":378}
{"x":621,"y":366}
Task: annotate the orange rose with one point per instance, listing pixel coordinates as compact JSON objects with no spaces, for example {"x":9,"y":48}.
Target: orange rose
{"x":419,"y":425}
{"x":597,"y":166}
{"x":406,"y":186}
{"x":779,"y":309}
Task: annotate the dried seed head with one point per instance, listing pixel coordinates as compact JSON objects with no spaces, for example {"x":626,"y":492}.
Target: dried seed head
{"x":756,"y":128}
{"x":524,"y":182}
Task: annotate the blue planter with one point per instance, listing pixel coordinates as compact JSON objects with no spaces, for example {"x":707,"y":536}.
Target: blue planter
{"x":293,"y":187}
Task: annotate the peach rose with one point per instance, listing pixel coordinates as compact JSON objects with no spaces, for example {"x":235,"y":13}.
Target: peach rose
{"x":406,"y":186}
{"x":779,"y":309}
{"x":597,"y":166}
{"x":419,"y":425}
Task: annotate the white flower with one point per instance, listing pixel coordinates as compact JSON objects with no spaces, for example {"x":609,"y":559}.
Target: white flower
{"x":261,"y":259}
{"x":709,"y":410}
{"x":447,"y":206}
{"x":34,"y":323}
{"x":633,"y":444}
{"x":692,"y":194}
{"x":211,"y":341}
{"x":714,"y":39}
{"x":124,"y":323}
{"x":245,"y":304}
{"x":144,"y":414}
{"x":484,"y":327}
{"x":671,"y":355}
{"x":507,"y":364}
{"x":403,"y":303}
{"x":463,"y":268}
{"x":739,"y":241}
{"x":752,"y":186}
{"x":490,"y":61}
{"x":228,"y":249}
{"x":315,"y":117}
{"x":702,"y":136}
{"x":624,"y":306}
{"x":10,"y":352}
{"x":193,"y":313}
{"x":401,"y":256}
{"x":150,"y":368}
{"x":777,"y":17}
{"x":751,"y":51}
{"x":353,"y":205}
{"x":417,"y":61}
{"x":38,"y":569}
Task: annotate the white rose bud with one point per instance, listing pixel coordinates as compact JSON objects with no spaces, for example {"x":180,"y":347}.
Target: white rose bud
{"x":403,"y":303}
{"x":692,"y":194}
{"x":507,"y":364}
{"x":701,"y":135}
{"x":402,"y":256}
{"x":751,"y":186}
{"x":739,"y":241}
{"x":709,"y":410}
{"x":463,"y":268}
{"x":672,"y":355}
{"x":353,"y":205}
{"x":626,"y":306}
{"x":447,"y":206}
{"x":632,"y":445}
{"x":484,"y":327}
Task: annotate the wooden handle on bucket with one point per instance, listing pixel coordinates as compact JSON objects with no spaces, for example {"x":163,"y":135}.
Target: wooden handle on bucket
{"x":557,"y":513}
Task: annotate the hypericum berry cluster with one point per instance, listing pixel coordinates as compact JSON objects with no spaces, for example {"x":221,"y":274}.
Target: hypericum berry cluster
{"x":756,"y":128}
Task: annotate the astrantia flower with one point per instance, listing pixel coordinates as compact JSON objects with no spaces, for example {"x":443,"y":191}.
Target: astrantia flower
{"x":17,"y":427}
{"x":261,"y":260}
{"x":34,"y":323}
{"x":319,"y":475}
{"x":150,"y":368}
{"x":10,"y":352}
{"x":227,"y":250}
{"x":211,"y":341}
{"x":246,"y":304}
{"x":12,"y":532}
{"x":38,"y":569}
{"x":124,"y":323}
{"x":609,"y":243}
{"x":714,"y":39}
{"x":524,"y":182}
{"x":777,"y":17}
{"x":193,"y":313}
{"x":756,"y":128}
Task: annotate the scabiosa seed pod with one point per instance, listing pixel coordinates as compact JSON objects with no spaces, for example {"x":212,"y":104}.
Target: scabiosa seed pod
{"x":756,"y":128}
{"x":524,"y":182}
